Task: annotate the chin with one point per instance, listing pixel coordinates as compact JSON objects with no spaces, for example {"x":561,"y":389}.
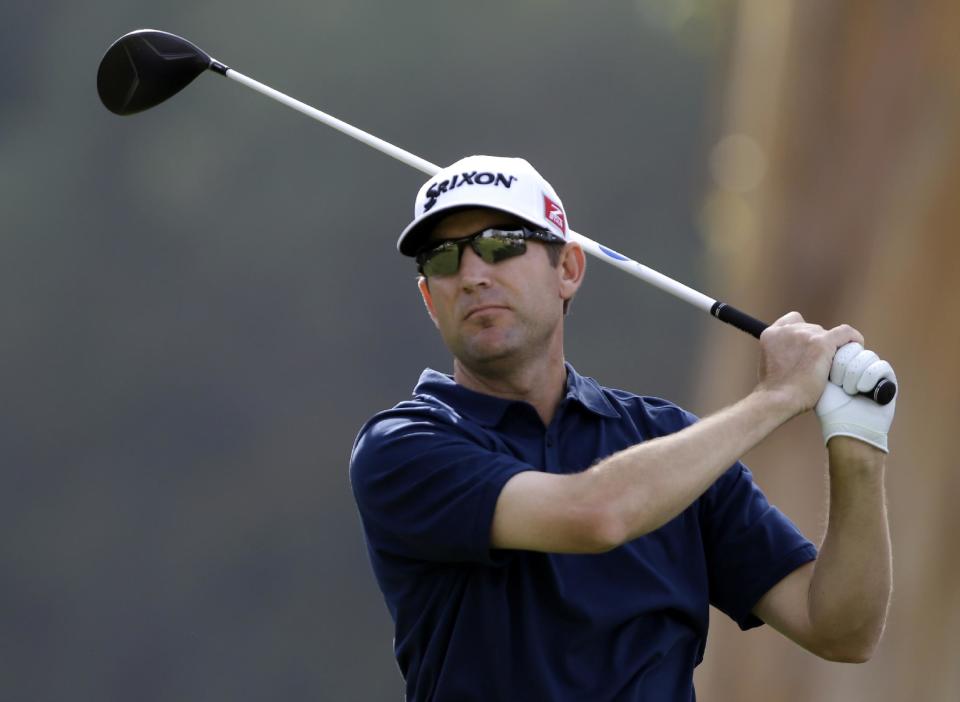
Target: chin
{"x":484,"y":351}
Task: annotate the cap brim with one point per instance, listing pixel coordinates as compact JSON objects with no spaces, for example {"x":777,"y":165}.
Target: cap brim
{"x":412,"y":238}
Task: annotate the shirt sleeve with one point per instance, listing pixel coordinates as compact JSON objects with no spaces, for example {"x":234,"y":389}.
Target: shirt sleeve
{"x":426,"y":490}
{"x":749,"y":545}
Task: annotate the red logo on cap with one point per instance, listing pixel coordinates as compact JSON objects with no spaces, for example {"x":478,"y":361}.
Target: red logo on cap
{"x":554,"y":213}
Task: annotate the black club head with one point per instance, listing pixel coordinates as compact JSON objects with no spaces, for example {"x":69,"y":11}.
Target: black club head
{"x":143,"y":68}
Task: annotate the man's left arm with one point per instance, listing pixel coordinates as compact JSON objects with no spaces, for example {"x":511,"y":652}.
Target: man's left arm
{"x":836,"y":606}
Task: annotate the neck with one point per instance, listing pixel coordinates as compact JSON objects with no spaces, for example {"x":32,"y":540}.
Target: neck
{"x":540,"y":381}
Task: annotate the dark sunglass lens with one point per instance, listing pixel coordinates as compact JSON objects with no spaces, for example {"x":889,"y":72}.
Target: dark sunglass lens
{"x":443,"y":260}
{"x":496,"y":249}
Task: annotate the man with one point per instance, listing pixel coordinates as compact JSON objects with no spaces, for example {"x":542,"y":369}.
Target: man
{"x":538,"y":536}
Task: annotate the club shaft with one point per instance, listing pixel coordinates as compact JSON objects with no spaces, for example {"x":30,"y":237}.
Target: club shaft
{"x":648,"y":275}
{"x":615,"y":259}
{"x":341,"y":126}
{"x":720,"y":310}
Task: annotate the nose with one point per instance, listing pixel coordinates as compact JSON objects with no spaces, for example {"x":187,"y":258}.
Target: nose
{"x":474,"y":271}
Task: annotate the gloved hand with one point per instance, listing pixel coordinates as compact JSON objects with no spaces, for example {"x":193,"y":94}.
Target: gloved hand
{"x":842,"y":411}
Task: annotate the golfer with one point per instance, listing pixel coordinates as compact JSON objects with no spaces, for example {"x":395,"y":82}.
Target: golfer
{"x":538,"y":536}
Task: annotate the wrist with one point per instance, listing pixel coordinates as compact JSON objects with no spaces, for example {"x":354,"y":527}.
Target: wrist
{"x":855,"y":453}
{"x":856,"y":433}
{"x":777,"y":402}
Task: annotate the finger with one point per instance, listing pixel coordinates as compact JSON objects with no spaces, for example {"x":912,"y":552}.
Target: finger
{"x":788,"y":318}
{"x":855,"y":369}
{"x":844,"y":334}
{"x":872,"y":374}
{"x":841,"y":358}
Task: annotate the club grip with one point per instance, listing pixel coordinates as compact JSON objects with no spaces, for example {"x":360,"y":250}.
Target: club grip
{"x":741,"y":320}
{"x":883,"y":392}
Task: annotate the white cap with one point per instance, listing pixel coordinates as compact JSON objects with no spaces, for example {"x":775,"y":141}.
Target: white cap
{"x":508,"y":184}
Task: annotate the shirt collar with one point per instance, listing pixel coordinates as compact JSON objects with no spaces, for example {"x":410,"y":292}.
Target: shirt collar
{"x":489,"y":410}
{"x":588,"y":393}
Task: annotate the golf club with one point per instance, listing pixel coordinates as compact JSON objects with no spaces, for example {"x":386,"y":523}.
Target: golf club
{"x":145,"y":67}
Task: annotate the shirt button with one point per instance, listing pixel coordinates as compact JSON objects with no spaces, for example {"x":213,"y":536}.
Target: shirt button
{"x":549,"y":441}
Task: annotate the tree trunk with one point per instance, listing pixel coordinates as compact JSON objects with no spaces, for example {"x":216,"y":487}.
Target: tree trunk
{"x":839,"y":196}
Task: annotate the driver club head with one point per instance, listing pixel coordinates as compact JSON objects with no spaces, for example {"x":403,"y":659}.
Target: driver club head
{"x":145,"y":67}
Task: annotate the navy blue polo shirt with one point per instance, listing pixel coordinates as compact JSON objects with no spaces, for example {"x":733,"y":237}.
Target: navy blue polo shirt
{"x":477,"y":623}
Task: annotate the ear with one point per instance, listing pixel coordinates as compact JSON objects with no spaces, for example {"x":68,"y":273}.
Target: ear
{"x":427,"y":298}
{"x":573,"y":265}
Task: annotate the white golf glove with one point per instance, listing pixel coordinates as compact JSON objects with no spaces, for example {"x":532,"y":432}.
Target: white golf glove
{"x":844,"y":412}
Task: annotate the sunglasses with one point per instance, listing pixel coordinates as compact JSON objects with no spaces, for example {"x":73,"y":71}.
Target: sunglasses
{"x":491,"y":245}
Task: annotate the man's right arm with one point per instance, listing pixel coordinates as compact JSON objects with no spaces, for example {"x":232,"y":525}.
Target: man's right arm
{"x":641,"y":488}
{"x":633,"y":491}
